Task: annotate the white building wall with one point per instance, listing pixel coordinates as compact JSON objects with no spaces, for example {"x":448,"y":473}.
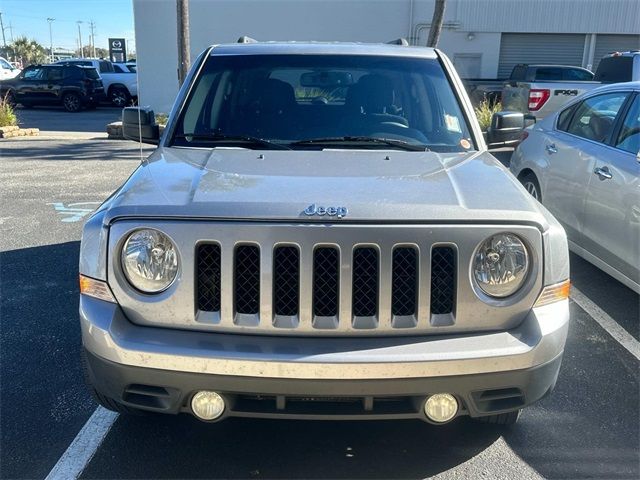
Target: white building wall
{"x":221,"y":21}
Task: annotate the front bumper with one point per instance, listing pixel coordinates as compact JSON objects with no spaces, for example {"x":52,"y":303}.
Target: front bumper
{"x":160,"y":369}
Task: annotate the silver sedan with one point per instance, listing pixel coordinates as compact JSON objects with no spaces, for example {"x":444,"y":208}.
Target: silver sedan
{"x":583,"y":164}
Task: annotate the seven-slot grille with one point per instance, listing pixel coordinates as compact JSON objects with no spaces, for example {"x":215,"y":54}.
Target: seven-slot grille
{"x":365,"y":279}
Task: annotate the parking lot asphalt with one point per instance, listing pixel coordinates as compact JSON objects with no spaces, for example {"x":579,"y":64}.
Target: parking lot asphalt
{"x":56,"y":119}
{"x":588,"y":427}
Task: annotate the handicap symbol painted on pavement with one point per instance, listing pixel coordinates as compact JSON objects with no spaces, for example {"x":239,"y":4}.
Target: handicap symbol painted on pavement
{"x":73,"y":212}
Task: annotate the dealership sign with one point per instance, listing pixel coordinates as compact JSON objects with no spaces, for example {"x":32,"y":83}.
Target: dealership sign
{"x":117,"y":50}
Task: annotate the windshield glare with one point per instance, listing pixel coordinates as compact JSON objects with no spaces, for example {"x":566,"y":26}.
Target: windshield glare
{"x":291,"y":98}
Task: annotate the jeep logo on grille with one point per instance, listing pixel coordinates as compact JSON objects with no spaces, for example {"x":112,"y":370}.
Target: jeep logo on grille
{"x":321,"y":211}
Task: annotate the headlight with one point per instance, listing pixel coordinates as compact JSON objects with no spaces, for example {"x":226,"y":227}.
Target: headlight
{"x":149,"y":260}
{"x":501,"y":265}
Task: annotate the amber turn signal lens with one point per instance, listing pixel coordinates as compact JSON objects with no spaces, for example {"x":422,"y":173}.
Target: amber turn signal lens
{"x":554,"y":293}
{"x":96,"y":289}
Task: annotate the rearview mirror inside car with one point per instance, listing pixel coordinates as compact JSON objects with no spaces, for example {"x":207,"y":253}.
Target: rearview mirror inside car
{"x":139,"y":124}
{"x":326,"y":78}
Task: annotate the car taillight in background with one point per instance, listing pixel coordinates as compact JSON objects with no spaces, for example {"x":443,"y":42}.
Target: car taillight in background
{"x":537,"y":98}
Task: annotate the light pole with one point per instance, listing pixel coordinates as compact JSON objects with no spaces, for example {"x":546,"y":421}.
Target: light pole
{"x":80,"y":39}
{"x":50,"y":20}
{"x":4,"y":41}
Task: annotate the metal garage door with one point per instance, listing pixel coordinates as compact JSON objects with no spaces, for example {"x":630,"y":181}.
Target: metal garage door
{"x":614,"y":43}
{"x":531,"y":48}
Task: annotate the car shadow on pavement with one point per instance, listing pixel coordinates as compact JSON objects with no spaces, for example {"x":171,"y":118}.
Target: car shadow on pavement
{"x":183,"y":447}
{"x":89,"y":149}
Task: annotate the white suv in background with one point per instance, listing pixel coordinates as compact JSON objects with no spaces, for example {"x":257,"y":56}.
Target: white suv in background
{"x":7,"y":70}
{"x":120,"y":88}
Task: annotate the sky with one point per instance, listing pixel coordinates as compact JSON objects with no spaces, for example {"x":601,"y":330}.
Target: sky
{"x":113,"y":18}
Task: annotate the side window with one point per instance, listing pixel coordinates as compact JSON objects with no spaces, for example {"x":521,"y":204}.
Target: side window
{"x":595,"y":117}
{"x":4,"y":64}
{"x":565,"y":117}
{"x":578,"y":75}
{"x":629,"y":136}
{"x":118,"y":69}
{"x":548,"y":73}
{"x":54,"y":74}
{"x":105,"y":67}
{"x":34,"y":73}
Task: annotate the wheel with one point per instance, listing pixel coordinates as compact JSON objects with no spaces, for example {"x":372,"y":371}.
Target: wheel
{"x":71,"y":102}
{"x":102,"y":400}
{"x":530,"y":183}
{"x":509,"y":418}
{"x":119,"y":96}
{"x":10,"y":98}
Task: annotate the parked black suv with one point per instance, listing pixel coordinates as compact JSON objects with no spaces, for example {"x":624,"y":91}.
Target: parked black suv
{"x":71,"y":86}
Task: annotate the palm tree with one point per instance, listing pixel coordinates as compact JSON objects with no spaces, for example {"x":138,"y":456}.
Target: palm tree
{"x":28,"y":51}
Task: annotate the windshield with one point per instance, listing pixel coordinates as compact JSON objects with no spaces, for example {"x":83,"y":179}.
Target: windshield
{"x":315,"y":101}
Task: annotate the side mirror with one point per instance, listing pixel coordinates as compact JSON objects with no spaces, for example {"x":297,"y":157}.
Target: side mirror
{"x":506,"y":127}
{"x":139,"y":124}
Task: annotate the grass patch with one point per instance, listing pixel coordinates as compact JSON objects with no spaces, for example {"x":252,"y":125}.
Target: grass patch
{"x":161,"y":118}
{"x":7,"y":114}
{"x":484,"y":112}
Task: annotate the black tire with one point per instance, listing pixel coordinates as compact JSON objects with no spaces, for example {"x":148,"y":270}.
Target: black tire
{"x":10,"y":98}
{"x":102,"y":400}
{"x":509,"y":418}
{"x":531,"y":184}
{"x":119,"y":96}
{"x":71,"y":102}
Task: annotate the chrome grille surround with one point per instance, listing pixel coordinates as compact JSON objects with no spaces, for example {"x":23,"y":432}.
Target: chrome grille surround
{"x":177,"y":307}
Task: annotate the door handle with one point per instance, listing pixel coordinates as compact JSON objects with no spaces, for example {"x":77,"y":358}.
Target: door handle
{"x":551,"y":149}
{"x":603,"y":173}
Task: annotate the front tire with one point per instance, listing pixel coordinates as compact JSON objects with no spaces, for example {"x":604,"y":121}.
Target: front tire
{"x":71,"y":102}
{"x":102,"y":400}
{"x":119,"y":97}
{"x":531,"y":185}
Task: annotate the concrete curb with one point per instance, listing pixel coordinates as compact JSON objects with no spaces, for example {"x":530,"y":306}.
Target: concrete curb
{"x":14,"y":131}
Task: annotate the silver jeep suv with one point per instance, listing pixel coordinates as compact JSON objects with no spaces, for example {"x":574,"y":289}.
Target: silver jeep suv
{"x":321,"y":233}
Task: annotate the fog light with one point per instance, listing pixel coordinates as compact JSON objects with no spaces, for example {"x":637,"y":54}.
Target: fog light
{"x":207,"y":405}
{"x":441,"y":407}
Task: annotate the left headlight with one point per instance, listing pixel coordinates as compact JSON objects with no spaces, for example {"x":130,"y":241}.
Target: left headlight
{"x":500,"y":265}
{"x":149,"y":260}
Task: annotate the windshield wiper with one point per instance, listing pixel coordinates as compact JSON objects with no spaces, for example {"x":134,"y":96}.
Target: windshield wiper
{"x":414,"y":147}
{"x":237,"y":139}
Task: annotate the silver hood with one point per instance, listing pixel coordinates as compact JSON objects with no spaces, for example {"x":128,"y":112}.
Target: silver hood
{"x":374,"y":186}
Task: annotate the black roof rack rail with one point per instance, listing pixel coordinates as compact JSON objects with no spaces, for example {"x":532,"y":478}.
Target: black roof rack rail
{"x":245,"y":39}
{"x":399,"y":41}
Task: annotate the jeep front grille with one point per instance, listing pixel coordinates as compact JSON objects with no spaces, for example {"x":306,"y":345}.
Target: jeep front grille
{"x":208,"y":291}
{"x":328,"y":263}
{"x":443,"y":280}
{"x":286,"y":281}
{"x":404,"y":293}
{"x":247,"y":280}
{"x":326,"y":276}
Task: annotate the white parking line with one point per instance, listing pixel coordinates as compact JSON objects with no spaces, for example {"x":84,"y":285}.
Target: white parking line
{"x":84,"y":446}
{"x":605,"y":321}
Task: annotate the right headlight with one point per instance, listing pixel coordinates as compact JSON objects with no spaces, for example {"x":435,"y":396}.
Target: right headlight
{"x":149,"y":260}
{"x":500,"y":265}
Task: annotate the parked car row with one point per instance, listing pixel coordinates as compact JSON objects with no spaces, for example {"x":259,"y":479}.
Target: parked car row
{"x":540,"y":90}
{"x":74,"y":84}
{"x":583,"y":164}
